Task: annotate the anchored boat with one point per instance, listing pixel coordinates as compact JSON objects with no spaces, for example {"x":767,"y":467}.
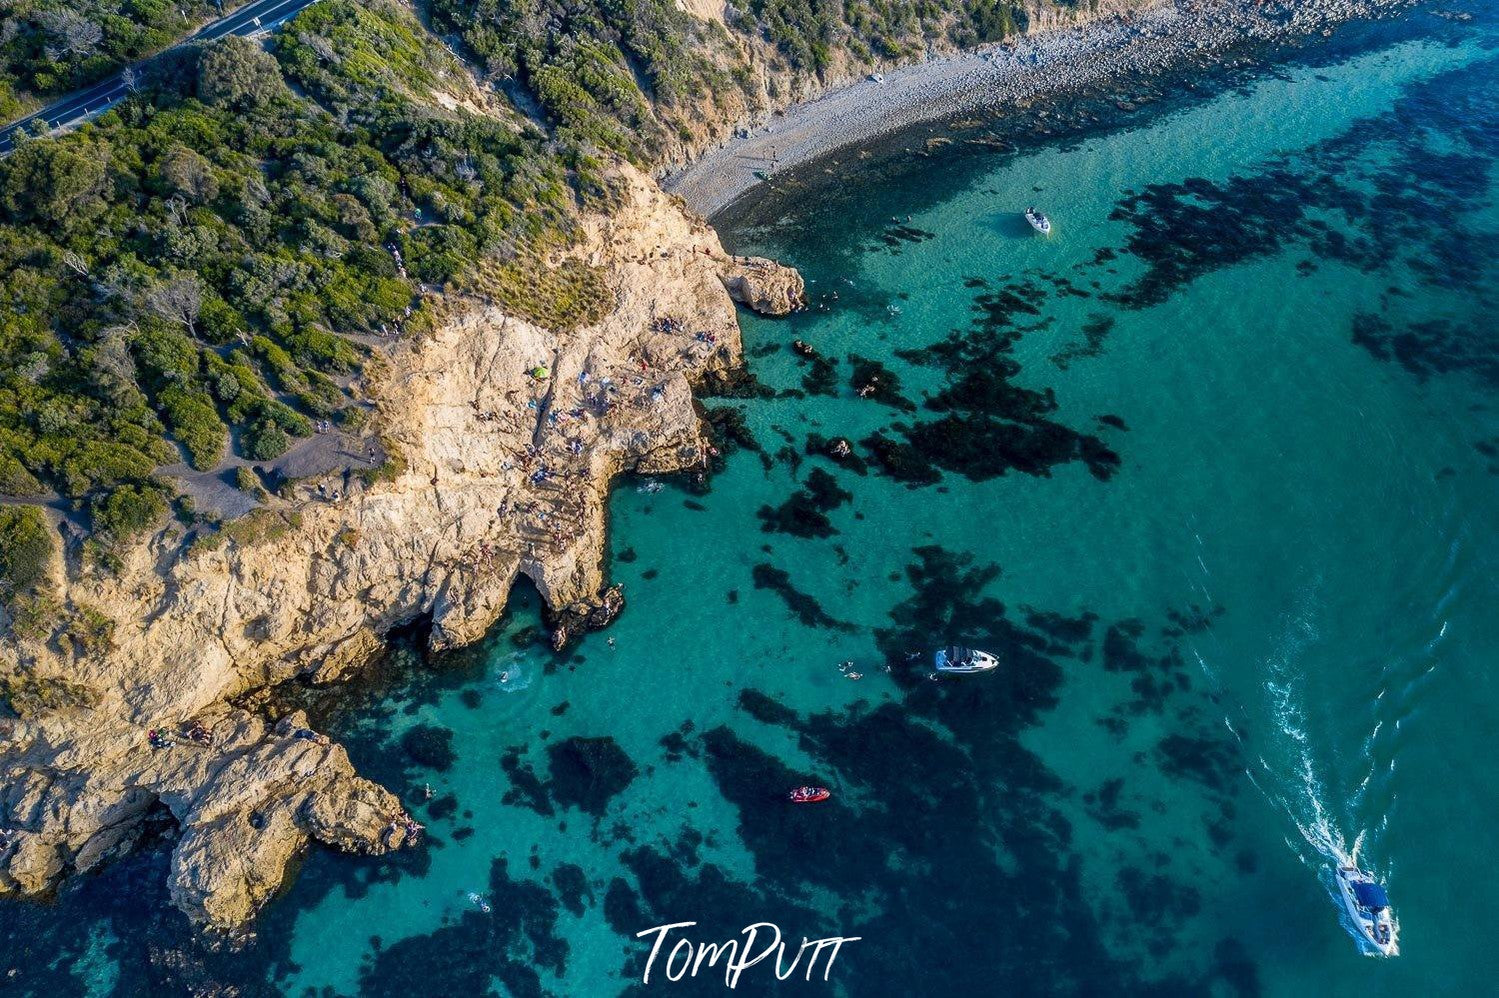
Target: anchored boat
{"x":1369,"y":906}
{"x":959,"y":659}
{"x":809,"y":795}
{"x":1038,"y":221}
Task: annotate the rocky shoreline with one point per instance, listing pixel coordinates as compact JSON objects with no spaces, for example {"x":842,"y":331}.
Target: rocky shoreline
{"x":1055,"y":60}
{"x":507,"y":435}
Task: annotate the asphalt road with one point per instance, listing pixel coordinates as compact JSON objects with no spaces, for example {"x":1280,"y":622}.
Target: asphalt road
{"x":251,"y":19}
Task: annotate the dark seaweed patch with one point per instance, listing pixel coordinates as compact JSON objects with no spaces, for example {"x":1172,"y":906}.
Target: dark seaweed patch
{"x":821,"y":377}
{"x":1211,"y":762}
{"x":572,"y":886}
{"x":838,"y":450}
{"x":1068,"y":633}
{"x":896,"y":236}
{"x":805,"y":513}
{"x":880,"y":846}
{"x":431,"y":746}
{"x":949,"y":605}
{"x":1103,"y":806}
{"x":588,"y":772}
{"x":872,"y":380}
{"x":1153,"y":678}
{"x":1192,"y":620}
{"x":516,"y":936}
{"x":1431,"y":346}
{"x":1157,"y":901}
{"x":1369,"y":197}
{"x":790,"y":457}
{"x":804,"y":607}
{"x":901,"y":461}
{"x":526,"y":789}
{"x":729,"y":431}
{"x":676,"y":744}
{"x":622,"y":908}
{"x":988,"y":424}
{"x":733,"y":383}
{"x":981,"y":447}
{"x":1094,"y":331}
{"x":763,"y":708}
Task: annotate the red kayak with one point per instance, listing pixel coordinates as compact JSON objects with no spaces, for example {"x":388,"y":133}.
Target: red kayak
{"x":809,"y":795}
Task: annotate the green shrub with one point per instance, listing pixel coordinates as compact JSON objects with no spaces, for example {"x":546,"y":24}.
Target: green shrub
{"x":30,"y":695}
{"x":190,"y":413}
{"x":260,"y":525}
{"x":388,"y":470}
{"x":94,"y":464}
{"x":563,"y":298}
{"x":16,"y":479}
{"x":238,"y":73}
{"x":34,"y":617}
{"x":248,"y":482}
{"x":128,"y":511}
{"x":351,"y":418}
{"x":88,"y":633}
{"x":26,"y":551}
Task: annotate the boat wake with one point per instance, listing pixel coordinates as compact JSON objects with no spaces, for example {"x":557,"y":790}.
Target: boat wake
{"x":1336,"y":806}
{"x":514,"y":675}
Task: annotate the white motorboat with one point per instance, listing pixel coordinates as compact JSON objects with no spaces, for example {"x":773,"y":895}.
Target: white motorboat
{"x":1038,"y":221}
{"x":1369,"y":907}
{"x":959,"y":659}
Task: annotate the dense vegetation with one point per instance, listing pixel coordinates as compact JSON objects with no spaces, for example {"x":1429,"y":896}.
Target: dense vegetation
{"x":51,"y":47}
{"x":178,"y":273}
{"x":809,"y":32}
{"x":624,"y":74}
{"x":607,"y":73}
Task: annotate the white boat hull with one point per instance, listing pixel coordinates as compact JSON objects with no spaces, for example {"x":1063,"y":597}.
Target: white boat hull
{"x":1377,"y":929}
{"x":976,"y":661}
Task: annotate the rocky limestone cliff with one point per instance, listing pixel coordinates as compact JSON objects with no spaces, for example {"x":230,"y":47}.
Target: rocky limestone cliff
{"x":1047,"y":15}
{"x":504,"y":473}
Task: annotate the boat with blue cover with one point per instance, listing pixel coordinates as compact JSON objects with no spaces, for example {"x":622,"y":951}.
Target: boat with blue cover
{"x":1369,"y":907}
{"x":956,"y":658}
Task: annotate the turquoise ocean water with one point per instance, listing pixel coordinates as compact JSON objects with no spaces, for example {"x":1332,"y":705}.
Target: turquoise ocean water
{"x":1213,"y":469}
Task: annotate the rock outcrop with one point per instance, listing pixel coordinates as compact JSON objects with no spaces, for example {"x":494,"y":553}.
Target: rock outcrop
{"x":504,"y":472}
{"x":766,"y":287}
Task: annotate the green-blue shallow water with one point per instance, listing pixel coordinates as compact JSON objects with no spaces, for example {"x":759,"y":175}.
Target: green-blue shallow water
{"x":1212,"y":469}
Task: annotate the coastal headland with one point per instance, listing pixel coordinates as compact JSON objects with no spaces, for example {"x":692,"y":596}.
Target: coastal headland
{"x":509,"y":436}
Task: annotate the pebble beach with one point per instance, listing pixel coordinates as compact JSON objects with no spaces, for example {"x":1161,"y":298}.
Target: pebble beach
{"x":1036,"y":66}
